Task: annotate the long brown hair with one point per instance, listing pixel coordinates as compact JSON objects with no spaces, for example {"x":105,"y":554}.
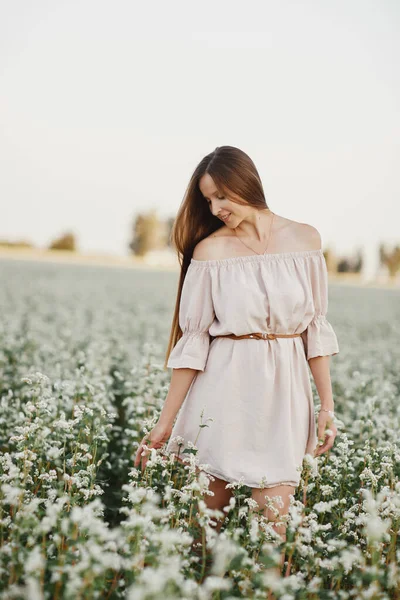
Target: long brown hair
{"x":235,"y":175}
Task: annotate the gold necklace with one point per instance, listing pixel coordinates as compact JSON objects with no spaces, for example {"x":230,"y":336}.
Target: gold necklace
{"x":269,"y":236}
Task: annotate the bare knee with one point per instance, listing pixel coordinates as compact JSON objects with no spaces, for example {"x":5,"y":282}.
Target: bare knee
{"x":274,"y":503}
{"x":221,"y":495}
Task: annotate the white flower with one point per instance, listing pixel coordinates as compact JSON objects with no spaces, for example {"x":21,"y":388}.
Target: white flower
{"x":11,"y":494}
{"x":214,"y":583}
{"x":350,"y":557}
{"x":231,"y":505}
{"x":223,"y":551}
{"x":54,"y":452}
{"x":236,"y":484}
{"x":254,"y":529}
{"x":35,"y":561}
{"x":33,"y":590}
{"x":376,"y":527}
{"x":322,"y":507}
{"x":312,"y":463}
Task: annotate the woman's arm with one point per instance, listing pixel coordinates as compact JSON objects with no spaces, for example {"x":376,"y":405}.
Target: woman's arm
{"x":181,"y":380}
{"x":320,"y":369}
{"x":327,"y":432}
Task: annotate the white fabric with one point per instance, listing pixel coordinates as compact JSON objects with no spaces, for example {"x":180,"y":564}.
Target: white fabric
{"x":257,"y":392}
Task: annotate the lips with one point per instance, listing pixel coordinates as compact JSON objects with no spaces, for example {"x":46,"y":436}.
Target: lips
{"x":226,"y":217}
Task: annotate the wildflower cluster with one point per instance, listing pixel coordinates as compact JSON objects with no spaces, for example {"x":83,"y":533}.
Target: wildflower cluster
{"x":81,"y":382}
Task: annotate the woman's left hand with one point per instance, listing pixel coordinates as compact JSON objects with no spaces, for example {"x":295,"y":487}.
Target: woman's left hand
{"x":326,"y":433}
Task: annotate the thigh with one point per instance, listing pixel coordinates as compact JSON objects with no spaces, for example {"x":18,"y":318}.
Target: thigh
{"x":280,"y":508}
{"x":220,"y":496}
{"x":261,"y":496}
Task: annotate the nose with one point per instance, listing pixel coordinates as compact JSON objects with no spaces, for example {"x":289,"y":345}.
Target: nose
{"x":215,"y":211}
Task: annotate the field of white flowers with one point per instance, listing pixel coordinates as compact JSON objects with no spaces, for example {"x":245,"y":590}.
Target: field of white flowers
{"x":82,"y":379}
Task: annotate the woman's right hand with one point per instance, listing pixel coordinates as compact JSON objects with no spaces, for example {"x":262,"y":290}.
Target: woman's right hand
{"x":155,"y":439}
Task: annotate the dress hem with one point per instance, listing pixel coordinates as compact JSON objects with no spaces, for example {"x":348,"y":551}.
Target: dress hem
{"x":220,"y":475}
{"x":230,"y":480}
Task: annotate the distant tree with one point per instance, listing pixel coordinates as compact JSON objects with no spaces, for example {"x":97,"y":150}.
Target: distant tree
{"x":330,"y":259}
{"x":148,"y":233}
{"x":352,"y":264}
{"x":16,"y":244}
{"x":64,"y":242}
{"x":344,"y":266}
{"x":390,"y":258}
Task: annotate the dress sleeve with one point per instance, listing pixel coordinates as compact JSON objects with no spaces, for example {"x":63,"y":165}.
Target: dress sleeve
{"x":196,"y":314}
{"x":319,"y":337}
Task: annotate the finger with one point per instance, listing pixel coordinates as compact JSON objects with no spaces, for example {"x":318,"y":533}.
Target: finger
{"x":138,"y":453}
{"x":321,"y":450}
{"x":327,"y":435}
{"x":325,"y":447}
{"x":330,"y":440}
{"x":144,"y":462}
{"x":140,"y":449}
{"x":329,"y":445}
{"x":141,"y":455}
{"x":145,"y":454}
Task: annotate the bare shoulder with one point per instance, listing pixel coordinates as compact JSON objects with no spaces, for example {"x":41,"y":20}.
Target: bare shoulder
{"x":213,"y":246}
{"x":294,"y":236}
{"x":309,"y":236}
{"x":289,"y":236}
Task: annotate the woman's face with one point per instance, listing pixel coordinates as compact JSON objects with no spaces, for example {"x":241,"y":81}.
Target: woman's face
{"x":229,"y":212}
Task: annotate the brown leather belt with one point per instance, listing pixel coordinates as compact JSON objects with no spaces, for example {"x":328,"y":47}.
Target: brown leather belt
{"x":259,"y":336}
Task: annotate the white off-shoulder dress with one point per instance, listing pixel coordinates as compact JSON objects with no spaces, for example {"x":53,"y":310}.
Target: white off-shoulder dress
{"x":256,"y":391}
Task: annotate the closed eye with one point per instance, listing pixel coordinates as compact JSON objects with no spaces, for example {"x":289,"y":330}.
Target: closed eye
{"x":209,"y":202}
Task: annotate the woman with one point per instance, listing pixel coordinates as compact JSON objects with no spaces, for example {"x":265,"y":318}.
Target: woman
{"x":251,"y":311}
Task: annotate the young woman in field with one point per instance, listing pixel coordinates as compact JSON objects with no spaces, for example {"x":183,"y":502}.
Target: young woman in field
{"x":250,"y":313}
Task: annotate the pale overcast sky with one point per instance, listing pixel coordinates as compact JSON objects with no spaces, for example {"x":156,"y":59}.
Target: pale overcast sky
{"x":106,"y":107}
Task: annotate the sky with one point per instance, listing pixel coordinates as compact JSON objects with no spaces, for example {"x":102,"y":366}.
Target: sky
{"x":106,"y":108}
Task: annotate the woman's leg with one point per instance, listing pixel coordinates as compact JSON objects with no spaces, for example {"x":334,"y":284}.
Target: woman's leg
{"x":285,"y":491}
{"x":220,"y":496}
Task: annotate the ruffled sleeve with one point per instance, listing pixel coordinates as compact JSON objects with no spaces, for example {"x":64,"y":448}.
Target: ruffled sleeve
{"x":319,"y":337}
{"x":196,"y":314}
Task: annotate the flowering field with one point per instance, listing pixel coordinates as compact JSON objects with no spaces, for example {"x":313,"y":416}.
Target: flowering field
{"x":82,"y":379}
